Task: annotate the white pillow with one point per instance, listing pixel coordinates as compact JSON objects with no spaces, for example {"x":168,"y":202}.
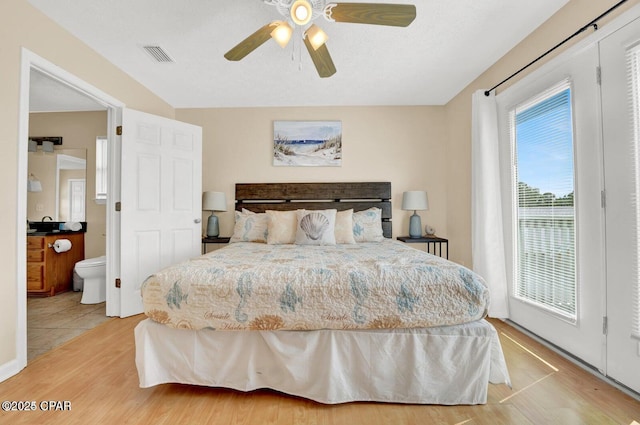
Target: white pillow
{"x":316,"y":227}
{"x":249,"y":227}
{"x":344,"y":227}
{"x":281,"y":227}
{"x":367,"y":225}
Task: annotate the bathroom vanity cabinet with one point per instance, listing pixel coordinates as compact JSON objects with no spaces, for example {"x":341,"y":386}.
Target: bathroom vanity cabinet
{"x":50,"y":272}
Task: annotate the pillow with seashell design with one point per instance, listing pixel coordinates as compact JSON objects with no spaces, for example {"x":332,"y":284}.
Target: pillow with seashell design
{"x":316,"y":227}
{"x":250,"y":227}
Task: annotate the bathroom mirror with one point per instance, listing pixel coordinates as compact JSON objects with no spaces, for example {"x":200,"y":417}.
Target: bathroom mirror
{"x":62,"y":178}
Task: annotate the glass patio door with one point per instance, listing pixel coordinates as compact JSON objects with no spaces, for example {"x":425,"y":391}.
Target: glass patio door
{"x":620,"y":59}
{"x":550,"y":136}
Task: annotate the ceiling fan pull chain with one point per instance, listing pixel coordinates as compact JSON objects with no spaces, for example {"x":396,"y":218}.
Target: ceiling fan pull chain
{"x":299,"y":56}
{"x":301,"y":35}
{"x":293,"y":46}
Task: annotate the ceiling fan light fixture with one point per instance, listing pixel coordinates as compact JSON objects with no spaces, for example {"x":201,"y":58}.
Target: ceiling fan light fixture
{"x":316,"y":36}
{"x":301,"y":12}
{"x":282,"y":33}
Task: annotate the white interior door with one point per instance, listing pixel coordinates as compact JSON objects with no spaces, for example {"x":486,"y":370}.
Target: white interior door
{"x":161,"y":197}
{"x":620,"y":153}
{"x":581,"y":334}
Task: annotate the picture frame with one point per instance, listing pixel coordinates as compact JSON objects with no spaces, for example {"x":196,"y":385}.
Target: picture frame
{"x":307,"y":143}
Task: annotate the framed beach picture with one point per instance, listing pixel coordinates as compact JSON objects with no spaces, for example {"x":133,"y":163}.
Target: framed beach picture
{"x":307,"y":143}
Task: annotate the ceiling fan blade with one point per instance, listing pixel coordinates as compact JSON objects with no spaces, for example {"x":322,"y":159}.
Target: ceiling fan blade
{"x":251,"y":43}
{"x":321,"y":59}
{"x":396,"y":15}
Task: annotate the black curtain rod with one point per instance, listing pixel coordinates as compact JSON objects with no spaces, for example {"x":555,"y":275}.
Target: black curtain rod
{"x":593,"y":24}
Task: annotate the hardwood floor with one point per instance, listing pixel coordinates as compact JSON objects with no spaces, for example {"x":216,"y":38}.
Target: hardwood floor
{"x":96,"y":374}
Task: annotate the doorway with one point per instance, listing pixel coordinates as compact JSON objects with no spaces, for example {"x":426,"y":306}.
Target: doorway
{"x":63,"y":172}
{"x":178,"y":146}
{"x":82,"y":93}
{"x":601,"y":328}
{"x":549,"y":133}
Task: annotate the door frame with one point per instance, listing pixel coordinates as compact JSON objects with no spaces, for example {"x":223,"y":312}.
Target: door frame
{"x":29,"y":61}
{"x":592,"y":39}
{"x":582,"y":337}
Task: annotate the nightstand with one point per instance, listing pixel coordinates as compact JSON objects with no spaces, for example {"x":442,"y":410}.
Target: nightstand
{"x":434,"y":243}
{"x":212,"y":239}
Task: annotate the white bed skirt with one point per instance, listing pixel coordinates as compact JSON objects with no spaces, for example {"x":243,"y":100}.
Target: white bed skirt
{"x":444,"y":365}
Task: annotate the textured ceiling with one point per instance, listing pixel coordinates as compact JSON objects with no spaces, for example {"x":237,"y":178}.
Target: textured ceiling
{"x":450,"y":43}
{"x":49,"y":95}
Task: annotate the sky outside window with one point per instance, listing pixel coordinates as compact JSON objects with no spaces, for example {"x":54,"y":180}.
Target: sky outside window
{"x":545,"y":145}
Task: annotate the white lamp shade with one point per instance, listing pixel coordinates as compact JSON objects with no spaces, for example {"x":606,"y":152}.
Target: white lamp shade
{"x":47,"y":146}
{"x":34,"y":186}
{"x":415,"y":200}
{"x":214,"y":201}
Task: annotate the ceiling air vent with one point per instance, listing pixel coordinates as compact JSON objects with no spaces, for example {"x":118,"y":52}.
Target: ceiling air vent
{"x":158,"y":54}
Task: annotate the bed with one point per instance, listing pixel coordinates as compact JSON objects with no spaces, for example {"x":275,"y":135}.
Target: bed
{"x":331,"y":309}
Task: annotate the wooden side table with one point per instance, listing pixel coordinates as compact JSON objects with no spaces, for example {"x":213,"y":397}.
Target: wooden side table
{"x":434,"y":243}
{"x":211,"y":239}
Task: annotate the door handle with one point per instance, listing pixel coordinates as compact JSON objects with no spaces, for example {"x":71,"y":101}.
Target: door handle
{"x":197,"y":220}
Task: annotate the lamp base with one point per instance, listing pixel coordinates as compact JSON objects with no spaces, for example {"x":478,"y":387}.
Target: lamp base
{"x":212,"y":226}
{"x":415,"y":226}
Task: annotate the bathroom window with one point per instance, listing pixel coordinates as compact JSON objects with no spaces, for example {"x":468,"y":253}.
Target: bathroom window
{"x":101,"y":169}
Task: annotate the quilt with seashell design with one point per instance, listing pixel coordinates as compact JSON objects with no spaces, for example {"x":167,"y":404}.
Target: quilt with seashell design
{"x":256,"y":286}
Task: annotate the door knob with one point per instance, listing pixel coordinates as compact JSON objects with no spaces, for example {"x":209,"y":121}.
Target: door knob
{"x":197,"y":220}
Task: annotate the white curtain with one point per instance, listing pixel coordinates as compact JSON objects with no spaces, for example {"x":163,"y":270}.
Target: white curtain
{"x":487,"y":242}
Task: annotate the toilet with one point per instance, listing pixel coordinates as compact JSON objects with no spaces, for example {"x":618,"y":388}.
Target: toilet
{"x":93,"y":271}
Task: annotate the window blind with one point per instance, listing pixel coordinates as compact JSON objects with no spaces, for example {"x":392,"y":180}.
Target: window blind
{"x":543,"y":172}
{"x":633,"y":88}
{"x":101,"y":168}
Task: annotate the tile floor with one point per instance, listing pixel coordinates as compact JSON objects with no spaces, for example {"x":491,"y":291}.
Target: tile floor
{"x":52,"y":321}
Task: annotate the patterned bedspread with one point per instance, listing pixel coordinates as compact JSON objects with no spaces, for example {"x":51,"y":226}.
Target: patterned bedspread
{"x":254,"y":286}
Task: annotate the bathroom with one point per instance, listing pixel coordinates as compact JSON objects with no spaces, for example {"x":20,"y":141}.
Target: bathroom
{"x":79,"y":131}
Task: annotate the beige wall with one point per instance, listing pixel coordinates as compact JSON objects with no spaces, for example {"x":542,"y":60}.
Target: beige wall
{"x":458,"y":111}
{"x":79,"y":131}
{"x":403,"y":145}
{"x":24,"y":26}
{"x":43,"y":168}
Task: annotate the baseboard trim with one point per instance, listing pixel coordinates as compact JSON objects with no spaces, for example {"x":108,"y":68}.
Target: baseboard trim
{"x":9,"y":369}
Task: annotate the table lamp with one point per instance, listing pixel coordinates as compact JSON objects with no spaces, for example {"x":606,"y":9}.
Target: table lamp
{"x":415,"y":200}
{"x":213,"y":201}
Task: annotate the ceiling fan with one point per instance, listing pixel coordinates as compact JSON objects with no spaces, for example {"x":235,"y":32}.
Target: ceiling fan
{"x":300,"y":13}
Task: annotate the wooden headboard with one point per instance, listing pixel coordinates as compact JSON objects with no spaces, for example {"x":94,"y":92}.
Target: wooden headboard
{"x":259,"y":197}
